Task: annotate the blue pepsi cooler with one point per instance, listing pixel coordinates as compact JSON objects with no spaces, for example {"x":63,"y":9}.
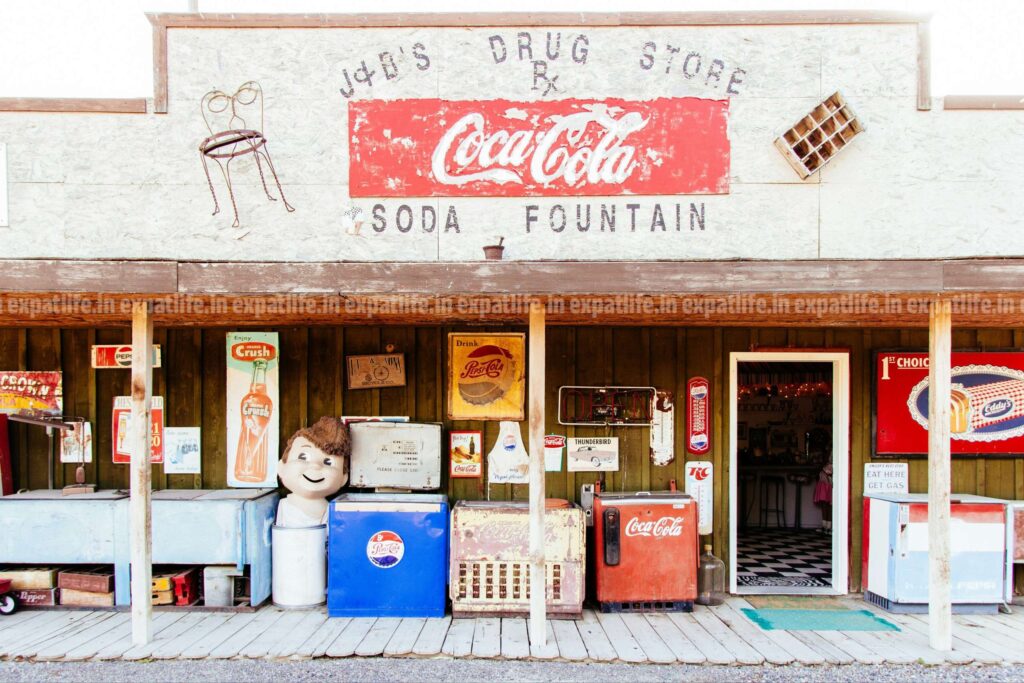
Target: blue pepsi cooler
{"x":387,"y":555}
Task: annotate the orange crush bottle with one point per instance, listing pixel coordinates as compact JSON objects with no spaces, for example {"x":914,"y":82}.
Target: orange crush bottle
{"x":256,"y":408}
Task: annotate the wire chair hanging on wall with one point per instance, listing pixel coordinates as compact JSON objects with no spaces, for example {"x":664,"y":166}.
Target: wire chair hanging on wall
{"x":236,"y":140}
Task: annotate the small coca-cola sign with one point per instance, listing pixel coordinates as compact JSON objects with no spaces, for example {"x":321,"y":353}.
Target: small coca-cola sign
{"x":698,"y":416}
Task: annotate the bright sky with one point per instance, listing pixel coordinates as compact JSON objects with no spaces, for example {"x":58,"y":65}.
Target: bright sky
{"x":101,"y":48}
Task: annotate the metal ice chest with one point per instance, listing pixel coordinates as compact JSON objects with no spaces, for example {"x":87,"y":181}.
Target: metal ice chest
{"x":645,"y":551}
{"x":387,"y":555}
{"x":895,"y":559}
{"x":397,"y":455}
{"x":490,"y":569}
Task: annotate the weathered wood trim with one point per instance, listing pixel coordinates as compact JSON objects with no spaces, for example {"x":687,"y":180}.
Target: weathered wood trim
{"x":159,"y":69}
{"x":485,"y":19}
{"x":162,"y":21}
{"x":990,"y":275}
{"x":81,"y":105}
{"x":52,"y":275}
{"x":536,"y":415}
{"x":993,"y":102}
{"x":940,"y":335}
{"x":140,"y":505}
{"x":902,"y":310}
{"x":511,"y":277}
{"x":924,"y":66}
{"x":561,"y":277}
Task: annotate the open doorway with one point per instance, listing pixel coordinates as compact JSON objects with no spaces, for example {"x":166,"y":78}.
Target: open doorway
{"x":789,"y":472}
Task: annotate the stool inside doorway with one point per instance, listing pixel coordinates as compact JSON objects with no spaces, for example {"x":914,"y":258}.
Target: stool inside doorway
{"x":772,"y":500}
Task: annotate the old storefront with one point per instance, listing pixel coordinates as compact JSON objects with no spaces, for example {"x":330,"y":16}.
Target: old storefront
{"x":635,"y":170}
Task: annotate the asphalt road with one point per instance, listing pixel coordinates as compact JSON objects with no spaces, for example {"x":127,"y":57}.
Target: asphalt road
{"x":391,"y":669}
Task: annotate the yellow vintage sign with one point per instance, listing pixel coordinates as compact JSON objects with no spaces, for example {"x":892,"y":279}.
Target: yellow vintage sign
{"x":486,"y":376}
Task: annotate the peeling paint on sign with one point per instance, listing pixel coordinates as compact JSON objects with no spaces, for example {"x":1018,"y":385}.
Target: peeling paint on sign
{"x":501,"y":148}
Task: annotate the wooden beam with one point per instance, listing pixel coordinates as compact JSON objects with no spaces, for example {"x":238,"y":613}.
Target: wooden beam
{"x":159,"y":69}
{"x":823,"y":309}
{"x":538,"y":583}
{"x":563,"y":277}
{"x":140,"y":506}
{"x":954,"y":102}
{"x":940,"y":336}
{"x":496,"y":19}
{"x":924,"y":66}
{"x":65,"y":275}
{"x":74,"y":105}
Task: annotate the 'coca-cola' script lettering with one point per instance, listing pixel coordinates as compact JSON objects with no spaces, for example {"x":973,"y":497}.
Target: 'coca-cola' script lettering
{"x":662,"y":527}
{"x":441,"y":148}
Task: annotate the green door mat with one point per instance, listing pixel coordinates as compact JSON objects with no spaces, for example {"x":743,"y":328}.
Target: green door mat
{"x":818,"y":620}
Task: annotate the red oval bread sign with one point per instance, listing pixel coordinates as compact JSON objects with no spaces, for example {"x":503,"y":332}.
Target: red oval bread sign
{"x":250,"y":351}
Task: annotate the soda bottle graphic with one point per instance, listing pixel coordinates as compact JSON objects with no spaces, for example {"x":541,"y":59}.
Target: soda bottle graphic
{"x":256,"y":408}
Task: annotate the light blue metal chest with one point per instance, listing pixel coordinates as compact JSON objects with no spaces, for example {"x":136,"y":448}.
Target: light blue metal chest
{"x":190,"y":526}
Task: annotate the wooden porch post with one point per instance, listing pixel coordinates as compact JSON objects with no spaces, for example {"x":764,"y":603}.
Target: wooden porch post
{"x":140,"y":510}
{"x":940,"y":334}
{"x":538,"y":588}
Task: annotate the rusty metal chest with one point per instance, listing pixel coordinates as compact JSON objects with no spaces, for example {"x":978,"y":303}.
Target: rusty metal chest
{"x":490,"y":560}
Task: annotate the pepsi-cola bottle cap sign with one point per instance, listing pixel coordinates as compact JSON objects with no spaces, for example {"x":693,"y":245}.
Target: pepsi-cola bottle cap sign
{"x":385,"y":549}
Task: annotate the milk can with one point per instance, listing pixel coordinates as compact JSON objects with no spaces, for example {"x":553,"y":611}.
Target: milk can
{"x":299,"y":566}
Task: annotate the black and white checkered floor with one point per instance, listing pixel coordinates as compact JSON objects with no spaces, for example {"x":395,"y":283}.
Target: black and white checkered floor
{"x":784,"y":558}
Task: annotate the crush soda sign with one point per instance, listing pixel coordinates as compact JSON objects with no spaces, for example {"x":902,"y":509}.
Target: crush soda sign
{"x":502,"y":148}
{"x":385,"y":549}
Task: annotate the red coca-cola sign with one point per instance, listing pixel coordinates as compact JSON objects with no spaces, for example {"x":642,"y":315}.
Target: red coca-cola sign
{"x":502,"y":148}
{"x":660,"y":528}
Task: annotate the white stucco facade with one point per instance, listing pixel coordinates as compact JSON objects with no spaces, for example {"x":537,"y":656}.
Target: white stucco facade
{"x":915,"y":184}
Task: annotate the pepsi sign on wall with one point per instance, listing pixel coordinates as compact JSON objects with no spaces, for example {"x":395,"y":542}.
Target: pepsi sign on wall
{"x":486,"y":376}
{"x":986,"y":403}
{"x":698,"y":416}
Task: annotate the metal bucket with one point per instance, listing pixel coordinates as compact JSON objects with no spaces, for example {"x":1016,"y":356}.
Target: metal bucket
{"x":300,"y":566}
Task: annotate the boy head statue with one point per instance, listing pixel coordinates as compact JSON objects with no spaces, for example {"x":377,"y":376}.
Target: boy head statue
{"x":313,"y":467}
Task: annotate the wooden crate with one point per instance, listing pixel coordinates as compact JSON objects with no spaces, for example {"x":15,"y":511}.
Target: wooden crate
{"x":88,"y":579}
{"x":186,"y":586}
{"x":70,"y":596}
{"x":162,"y":582}
{"x":30,"y":578}
{"x":816,"y":139}
{"x":163,"y":597}
{"x":36,"y":597}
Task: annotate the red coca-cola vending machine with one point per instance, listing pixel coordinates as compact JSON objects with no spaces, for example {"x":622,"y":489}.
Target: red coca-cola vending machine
{"x":645,"y":551}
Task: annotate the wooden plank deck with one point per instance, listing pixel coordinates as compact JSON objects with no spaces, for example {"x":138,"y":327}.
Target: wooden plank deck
{"x":717,"y":635}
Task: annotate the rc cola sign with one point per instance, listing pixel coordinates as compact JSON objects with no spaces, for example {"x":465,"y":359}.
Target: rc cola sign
{"x":700,"y":485}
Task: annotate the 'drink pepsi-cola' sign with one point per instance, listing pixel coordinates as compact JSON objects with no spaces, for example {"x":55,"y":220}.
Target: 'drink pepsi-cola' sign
{"x":504,"y":148}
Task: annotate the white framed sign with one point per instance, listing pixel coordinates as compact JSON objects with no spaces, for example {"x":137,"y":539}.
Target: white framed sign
{"x":182,"y":450}
{"x":886,"y":478}
{"x":593,"y":454}
{"x":4,"y":218}
{"x":700,"y":484}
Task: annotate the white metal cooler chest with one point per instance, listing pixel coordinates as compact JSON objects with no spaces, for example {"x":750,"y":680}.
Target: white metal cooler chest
{"x":490,"y":559}
{"x":895,"y":564}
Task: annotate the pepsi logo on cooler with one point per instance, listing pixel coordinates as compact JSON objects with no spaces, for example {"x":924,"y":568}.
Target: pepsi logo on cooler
{"x":385,"y":549}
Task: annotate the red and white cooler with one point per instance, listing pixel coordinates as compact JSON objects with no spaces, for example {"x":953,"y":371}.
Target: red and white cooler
{"x":645,"y":551}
